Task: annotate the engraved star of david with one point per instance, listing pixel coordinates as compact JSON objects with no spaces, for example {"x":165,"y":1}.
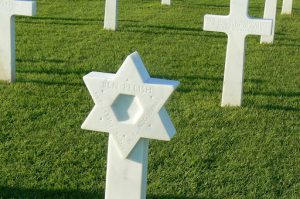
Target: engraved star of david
{"x":130,"y":105}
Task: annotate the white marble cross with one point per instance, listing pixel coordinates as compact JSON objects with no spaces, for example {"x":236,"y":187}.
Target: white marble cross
{"x":9,"y":8}
{"x":270,"y":13}
{"x":111,"y":13}
{"x":237,"y":25}
{"x":166,"y":2}
{"x":287,"y":7}
{"x":130,"y":106}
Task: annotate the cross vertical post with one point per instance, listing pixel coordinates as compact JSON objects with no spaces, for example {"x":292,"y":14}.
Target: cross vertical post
{"x":270,"y":13}
{"x":237,"y":25}
{"x":287,"y":7}
{"x":8,"y":9}
{"x":111,"y":15}
{"x":166,"y":2}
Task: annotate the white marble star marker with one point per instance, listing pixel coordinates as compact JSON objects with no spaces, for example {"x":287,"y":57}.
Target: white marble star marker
{"x":130,"y":106}
{"x":287,"y":7}
{"x":9,"y":8}
{"x":237,"y":25}
{"x":270,"y":13}
{"x":111,"y":13}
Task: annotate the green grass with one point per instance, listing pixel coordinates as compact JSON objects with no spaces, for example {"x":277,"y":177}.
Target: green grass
{"x":247,"y":152}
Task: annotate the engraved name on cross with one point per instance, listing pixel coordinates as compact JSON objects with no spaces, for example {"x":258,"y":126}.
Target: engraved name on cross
{"x":9,"y":8}
{"x":129,"y":105}
{"x":237,"y":25}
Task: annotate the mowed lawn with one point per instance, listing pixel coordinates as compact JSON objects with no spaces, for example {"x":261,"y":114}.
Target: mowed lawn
{"x":251,"y":151}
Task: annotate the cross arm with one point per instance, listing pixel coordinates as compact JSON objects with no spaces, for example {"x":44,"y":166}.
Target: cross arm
{"x":215,"y":23}
{"x":260,"y":26}
{"x":23,"y":7}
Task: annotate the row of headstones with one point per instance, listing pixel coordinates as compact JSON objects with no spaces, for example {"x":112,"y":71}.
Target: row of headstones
{"x":111,"y":11}
{"x":10,"y":8}
{"x":129,"y":105}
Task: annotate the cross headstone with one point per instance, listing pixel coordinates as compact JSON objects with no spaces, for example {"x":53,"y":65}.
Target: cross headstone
{"x":8,"y":9}
{"x":237,"y":25}
{"x":129,"y":105}
{"x":111,"y":13}
{"x":287,"y":7}
{"x":166,"y":2}
{"x":270,"y":13}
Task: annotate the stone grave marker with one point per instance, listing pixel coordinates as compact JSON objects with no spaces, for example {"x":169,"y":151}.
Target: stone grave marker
{"x":8,"y":9}
{"x":287,"y":7}
{"x":166,"y":2}
{"x":111,"y":13}
{"x":270,"y":13}
{"x":237,"y":25}
{"x":129,"y":105}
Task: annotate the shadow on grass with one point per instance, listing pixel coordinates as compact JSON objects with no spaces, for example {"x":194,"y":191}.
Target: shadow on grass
{"x":12,"y":192}
{"x":189,"y":90}
{"x":76,"y":19}
{"x":190,"y":78}
{"x":289,"y":45}
{"x":175,"y":28}
{"x":148,"y":29}
{"x":169,"y":30}
{"x":53,"y":72}
{"x":213,"y":5}
{"x":284,"y":39}
{"x":50,"y":71}
{"x":275,"y":107}
{"x":61,"y":21}
{"x":225,"y":7}
{"x":176,"y":197}
{"x":67,"y":21}
{"x":275,"y":94}
{"x":53,"y":61}
{"x":50,"y":83}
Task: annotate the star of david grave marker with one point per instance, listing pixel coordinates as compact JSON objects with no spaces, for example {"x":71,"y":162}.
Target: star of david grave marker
{"x":8,"y":9}
{"x":129,"y":105}
{"x":237,"y":25}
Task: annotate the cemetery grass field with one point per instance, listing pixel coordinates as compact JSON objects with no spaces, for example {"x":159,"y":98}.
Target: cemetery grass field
{"x":251,"y":151}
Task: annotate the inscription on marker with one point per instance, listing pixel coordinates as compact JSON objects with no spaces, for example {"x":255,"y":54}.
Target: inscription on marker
{"x":234,"y":25}
{"x":7,"y":4}
{"x":127,"y":87}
